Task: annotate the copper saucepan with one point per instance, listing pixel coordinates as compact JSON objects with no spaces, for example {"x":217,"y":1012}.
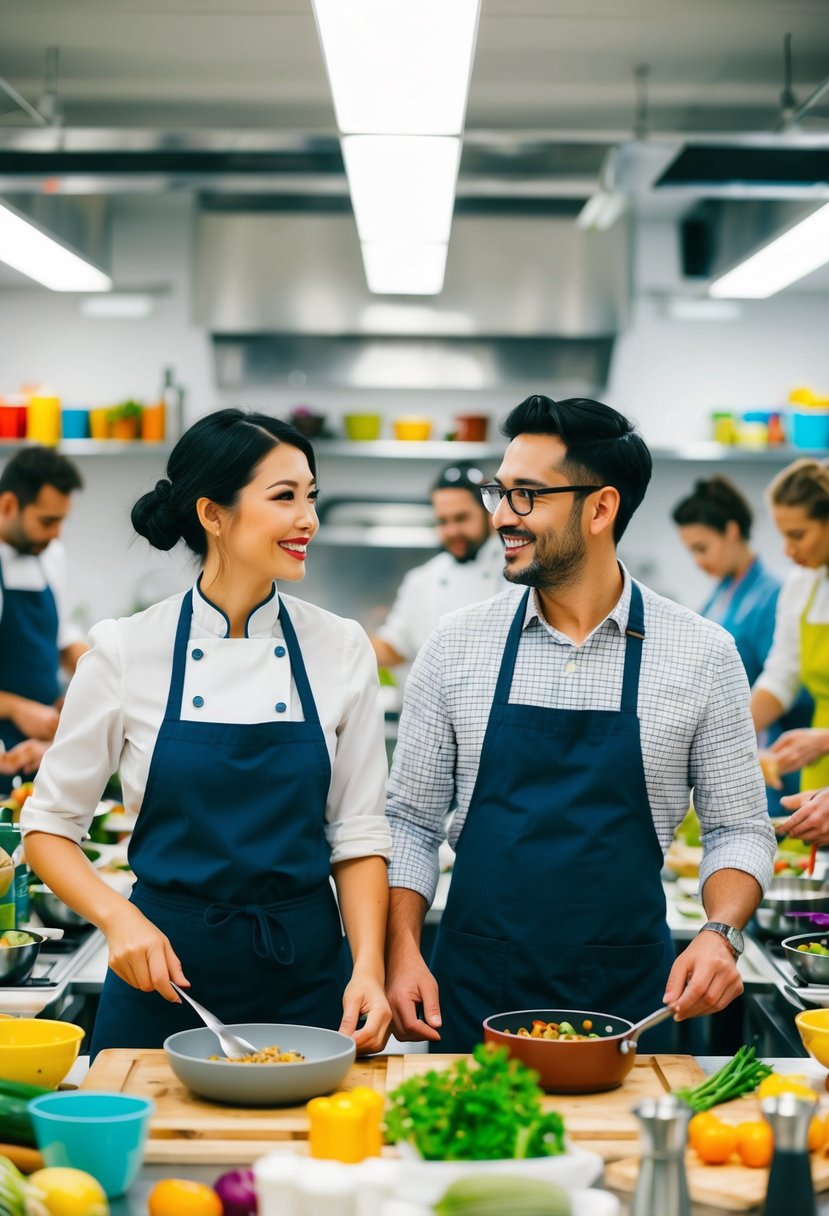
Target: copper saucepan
{"x":574,"y":1066}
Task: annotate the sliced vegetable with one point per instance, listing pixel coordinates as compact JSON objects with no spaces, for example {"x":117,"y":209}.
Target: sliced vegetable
{"x":500,"y":1193}
{"x":741,"y":1075}
{"x":237,"y":1191}
{"x":12,"y":1190}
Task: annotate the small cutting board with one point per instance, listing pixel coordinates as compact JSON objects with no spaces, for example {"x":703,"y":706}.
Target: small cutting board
{"x":187,"y":1128}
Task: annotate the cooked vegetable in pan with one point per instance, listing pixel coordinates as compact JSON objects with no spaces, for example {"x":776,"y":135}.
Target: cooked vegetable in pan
{"x":268,"y":1055}
{"x":556,"y":1030}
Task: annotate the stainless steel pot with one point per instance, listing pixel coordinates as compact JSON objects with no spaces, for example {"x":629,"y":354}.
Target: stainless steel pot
{"x":786,"y":895}
{"x":52,"y":910}
{"x":17,"y":962}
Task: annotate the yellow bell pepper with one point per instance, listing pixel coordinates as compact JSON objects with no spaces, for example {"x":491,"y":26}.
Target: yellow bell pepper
{"x":791,"y":1083}
{"x":346,"y":1126}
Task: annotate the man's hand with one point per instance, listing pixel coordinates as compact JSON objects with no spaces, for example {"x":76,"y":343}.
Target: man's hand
{"x":25,"y":757}
{"x":704,"y":979}
{"x":410,"y":983}
{"x":34,"y":720}
{"x":811,"y":819}
{"x":797,"y":748}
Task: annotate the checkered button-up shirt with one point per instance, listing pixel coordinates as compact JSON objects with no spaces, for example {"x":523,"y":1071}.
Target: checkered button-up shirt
{"x":695,"y":726}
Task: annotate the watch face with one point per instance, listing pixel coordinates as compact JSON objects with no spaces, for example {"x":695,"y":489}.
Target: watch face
{"x":735,"y":938}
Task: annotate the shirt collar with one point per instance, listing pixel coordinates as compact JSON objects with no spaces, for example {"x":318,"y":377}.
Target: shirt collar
{"x":210,"y":618}
{"x":618,"y":615}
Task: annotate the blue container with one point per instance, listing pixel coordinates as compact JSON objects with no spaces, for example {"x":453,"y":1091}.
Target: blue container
{"x":103,"y":1134}
{"x":809,"y":429}
{"x":75,"y":424}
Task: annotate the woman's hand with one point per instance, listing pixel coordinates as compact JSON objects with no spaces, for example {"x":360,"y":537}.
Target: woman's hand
{"x":797,"y":748}
{"x":364,"y":995}
{"x":24,"y":757}
{"x":142,"y":956}
{"x":810,"y":822}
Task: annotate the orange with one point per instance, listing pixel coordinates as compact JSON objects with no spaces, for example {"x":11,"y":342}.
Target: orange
{"x":716,"y":1142}
{"x":755,"y":1143}
{"x":817,"y":1134}
{"x":180,"y":1197}
{"x":698,"y":1122}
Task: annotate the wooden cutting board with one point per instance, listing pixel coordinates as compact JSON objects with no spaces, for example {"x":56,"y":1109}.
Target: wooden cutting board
{"x":186,"y":1128}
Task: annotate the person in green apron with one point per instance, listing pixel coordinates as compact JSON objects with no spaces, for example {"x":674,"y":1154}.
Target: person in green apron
{"x":799,"y":499}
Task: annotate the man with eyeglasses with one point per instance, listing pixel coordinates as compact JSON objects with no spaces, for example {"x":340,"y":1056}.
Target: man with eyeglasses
{"x":469,"y":568}
{"x":565,"y":721}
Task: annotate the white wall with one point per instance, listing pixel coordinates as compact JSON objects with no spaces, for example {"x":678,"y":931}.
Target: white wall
{"x":667,"y":375}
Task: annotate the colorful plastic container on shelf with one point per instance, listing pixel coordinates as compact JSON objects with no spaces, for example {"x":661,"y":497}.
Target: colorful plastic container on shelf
{"x":363,"y":426}
{"x":12,"y":418}
{"x":809,"y":429}
{"x":152,"y":422}
{"x":75,"y":423}
{"x":43,"y":419}
{"x":99,"y":424}
{"x":412,"y":428}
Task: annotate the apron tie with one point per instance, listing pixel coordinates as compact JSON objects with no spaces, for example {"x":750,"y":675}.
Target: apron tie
{"x":270,"y":937}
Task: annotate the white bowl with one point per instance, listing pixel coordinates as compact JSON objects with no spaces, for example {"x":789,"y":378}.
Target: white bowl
{"x":426,"y":1181}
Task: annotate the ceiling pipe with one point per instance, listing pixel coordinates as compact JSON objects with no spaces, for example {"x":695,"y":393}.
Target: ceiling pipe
{"x":20,"y":100}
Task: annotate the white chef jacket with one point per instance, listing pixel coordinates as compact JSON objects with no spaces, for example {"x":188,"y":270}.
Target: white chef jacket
{"x":439,"y":586}
{"x":116,"y":702}
{"x":34,"y":572}
{"x":781,"y":674}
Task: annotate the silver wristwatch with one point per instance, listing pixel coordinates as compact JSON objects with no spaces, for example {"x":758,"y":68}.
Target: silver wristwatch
{"x":733,"y":936}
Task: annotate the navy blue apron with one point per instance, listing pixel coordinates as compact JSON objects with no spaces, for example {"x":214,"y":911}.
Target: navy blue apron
{"x":233,"y":866}
{"x":29,"y":653}
{"x":556,"y":900}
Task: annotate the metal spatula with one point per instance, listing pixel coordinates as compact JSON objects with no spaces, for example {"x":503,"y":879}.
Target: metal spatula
{"x":229,"y":1042}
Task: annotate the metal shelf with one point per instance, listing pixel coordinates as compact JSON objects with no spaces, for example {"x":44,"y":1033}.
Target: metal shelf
{"x":445,"y":450}
{"x":387,"y":536}
{"x":95,"y":447}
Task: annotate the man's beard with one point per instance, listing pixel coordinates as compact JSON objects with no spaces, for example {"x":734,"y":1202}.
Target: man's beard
{"x":557,"y":564}
{"x":471,"y":550}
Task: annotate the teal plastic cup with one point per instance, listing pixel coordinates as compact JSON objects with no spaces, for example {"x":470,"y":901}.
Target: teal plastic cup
{"x":103,"y":1134}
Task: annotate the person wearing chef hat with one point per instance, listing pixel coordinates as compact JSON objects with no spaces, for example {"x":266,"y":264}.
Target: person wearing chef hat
{"x":566,"y":720}
{"x":246,"y":728}
{"x":37,"y":639}
{"x":468,"y":570}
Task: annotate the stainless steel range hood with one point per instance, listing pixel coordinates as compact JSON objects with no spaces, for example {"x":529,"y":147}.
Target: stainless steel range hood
{"x":528,"y":296}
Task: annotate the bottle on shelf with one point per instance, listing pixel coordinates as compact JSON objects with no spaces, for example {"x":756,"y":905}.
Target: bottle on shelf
{"x":172,"y":394}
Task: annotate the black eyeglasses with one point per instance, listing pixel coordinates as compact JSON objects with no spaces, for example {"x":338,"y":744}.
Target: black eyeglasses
{"x":522,"y":498}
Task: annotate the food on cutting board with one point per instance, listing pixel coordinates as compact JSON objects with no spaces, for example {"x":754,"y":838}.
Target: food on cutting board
{"x":15,"y":937}
{"x":556,"y":1030}
{"x":268,"y":1055}
{"x":478,"y":1109}
{"x":741,"y":1075}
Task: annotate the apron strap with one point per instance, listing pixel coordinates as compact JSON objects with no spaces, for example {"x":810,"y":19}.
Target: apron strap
{"x":634,"y":637}
{"x":300,"y":676}
{"x":502,"y":688}
{"x":173,"y":711}
{"x":270,"y":937}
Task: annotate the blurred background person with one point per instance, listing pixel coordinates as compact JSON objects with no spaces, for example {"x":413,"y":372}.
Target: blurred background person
{"x":468,"y":570}
{"x":714,"y":523}
{"x":36,"y":638}
{"x":799,"y":500}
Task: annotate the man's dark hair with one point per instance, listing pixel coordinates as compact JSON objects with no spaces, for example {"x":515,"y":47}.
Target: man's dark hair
{"x":602,"y":446}
{"x":31,"y":469}
{"x":462,"y":475}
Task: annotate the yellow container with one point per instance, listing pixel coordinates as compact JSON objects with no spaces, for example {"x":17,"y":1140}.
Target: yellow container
{"x":38,"y":1051}
{"x":99,"y":425}
{"x":43,"y":420}
{"x":363,"y":427}
{"x":152,"y":423}
{"x":412,"y":428}
{"x":813,"y":1028}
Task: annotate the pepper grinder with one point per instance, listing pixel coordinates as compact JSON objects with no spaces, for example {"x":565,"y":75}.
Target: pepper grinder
{"x":790,"y":1186}
{"x":661,"y":1185}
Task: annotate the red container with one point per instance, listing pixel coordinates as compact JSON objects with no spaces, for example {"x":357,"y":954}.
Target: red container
{"x":471,"y":428}
{"x":12,"y":420}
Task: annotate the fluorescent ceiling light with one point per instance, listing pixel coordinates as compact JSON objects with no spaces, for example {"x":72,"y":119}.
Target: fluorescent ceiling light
{"x":702,"y":309}
{"x":411,"y":270}
{"x":398,"y":67}
{"x":602,"y":210}
{"x":33,"y":252}
{"x":118,"y":306}
{"x":785,"y":260}
{"x":402,"y":187}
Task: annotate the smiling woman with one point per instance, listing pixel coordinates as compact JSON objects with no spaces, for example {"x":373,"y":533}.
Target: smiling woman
{"x":247,"y":732}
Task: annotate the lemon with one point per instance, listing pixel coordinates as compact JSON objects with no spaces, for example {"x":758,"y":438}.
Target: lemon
{"x":6,"y":872}
{"x":67,"y":1192}
{"x":789,"y":1083}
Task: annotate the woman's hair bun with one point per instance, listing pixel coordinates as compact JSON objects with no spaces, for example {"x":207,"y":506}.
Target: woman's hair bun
{"x":153,"y":516}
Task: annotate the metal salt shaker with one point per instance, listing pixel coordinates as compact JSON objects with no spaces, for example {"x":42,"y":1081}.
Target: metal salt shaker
{"x":790,"y":1188}
{"x":661,"y":1185}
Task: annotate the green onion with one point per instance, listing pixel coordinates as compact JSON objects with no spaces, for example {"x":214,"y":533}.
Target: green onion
{"x":741,"y":1075}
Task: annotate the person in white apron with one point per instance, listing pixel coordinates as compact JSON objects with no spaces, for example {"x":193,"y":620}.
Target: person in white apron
{"x":247,"y":731}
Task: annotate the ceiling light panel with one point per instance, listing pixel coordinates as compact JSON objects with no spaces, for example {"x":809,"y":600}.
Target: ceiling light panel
{"x":413,"y":270}
{"x":398,"y":67}
{"x":783,"y":261}
{"x":33,"y":252}
{"x":402,"y":187}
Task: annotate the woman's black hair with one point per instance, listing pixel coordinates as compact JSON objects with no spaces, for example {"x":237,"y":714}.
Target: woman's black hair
{"x":714,"y":504}
{"x":602,"y":446}
{"x":215,"y":458}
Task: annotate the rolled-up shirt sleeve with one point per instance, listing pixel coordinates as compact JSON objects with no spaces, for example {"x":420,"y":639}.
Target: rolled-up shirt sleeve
{"x":87,"y":747}
{"x":356,"y":824}
{"x":422,"y":781}
{"x":729,"y":794}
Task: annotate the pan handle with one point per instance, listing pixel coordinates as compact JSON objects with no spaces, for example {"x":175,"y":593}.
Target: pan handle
{"x":630,"y":1040}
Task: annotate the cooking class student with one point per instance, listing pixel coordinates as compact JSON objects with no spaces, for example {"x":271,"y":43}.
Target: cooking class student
{"x":567,"y":719}
{"x":246,"y":729}
{"x":468,"y":570}
{"x":37,"y":638}
{"x":714,"y":523}
{"x":799,"y":500}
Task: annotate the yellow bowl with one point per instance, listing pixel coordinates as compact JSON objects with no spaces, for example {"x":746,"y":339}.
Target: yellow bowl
{"x":38,"y":1051}
{"x":813,"y":1028}
{"x":412,"y":428}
